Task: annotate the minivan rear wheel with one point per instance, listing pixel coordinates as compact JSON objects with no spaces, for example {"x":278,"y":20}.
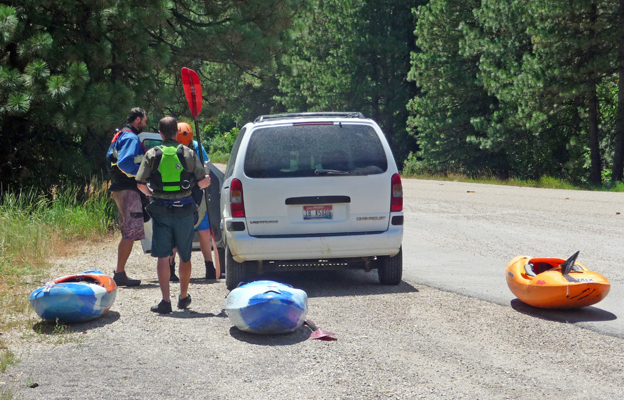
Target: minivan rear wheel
{"x":234,"y":271}
{"x":390,"y":269}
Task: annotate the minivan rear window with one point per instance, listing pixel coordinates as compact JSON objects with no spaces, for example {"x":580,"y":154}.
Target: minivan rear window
{"x":314,"y":150}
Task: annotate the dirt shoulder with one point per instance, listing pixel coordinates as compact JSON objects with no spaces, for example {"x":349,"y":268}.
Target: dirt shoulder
{"x":403,"y":342}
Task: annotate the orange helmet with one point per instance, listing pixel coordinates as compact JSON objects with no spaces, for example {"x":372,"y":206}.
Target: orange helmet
{"x":185,"y":133}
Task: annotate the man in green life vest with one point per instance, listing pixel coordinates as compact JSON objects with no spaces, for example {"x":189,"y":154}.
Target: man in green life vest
{"x":171,"y":170}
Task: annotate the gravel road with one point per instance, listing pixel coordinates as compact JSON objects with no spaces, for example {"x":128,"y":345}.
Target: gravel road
{"x":405,"y":342}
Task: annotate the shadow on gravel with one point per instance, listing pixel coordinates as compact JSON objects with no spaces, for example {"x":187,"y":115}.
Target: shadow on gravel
{"x":155,"y":284}
{"x":204,"y":281}
{"x":585,"y":314}
{"x":336,"y":283}
{"x":142,"y":286}
{"x":53,"y":328}
{"x":194,"y":314}
{"x":286,"y":339}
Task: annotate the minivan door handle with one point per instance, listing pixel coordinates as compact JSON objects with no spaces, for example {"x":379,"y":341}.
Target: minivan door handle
{"x":317,"y":200}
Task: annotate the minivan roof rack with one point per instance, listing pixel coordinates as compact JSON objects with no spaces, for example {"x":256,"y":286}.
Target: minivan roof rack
{"x":349,"y":114}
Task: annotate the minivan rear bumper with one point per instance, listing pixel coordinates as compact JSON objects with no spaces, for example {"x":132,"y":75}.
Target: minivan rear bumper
{"x":248,"y":248}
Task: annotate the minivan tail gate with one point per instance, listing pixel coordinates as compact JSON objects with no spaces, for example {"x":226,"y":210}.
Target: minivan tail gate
{"x":317,"y":205}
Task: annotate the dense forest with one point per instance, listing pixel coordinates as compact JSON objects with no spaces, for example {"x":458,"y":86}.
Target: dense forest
{"x":504,"y":88}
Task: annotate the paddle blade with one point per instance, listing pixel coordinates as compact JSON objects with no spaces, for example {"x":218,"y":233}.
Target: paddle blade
{"x":323,"y":335}
{"x":567,"y":265}
{"x":192,"y":91}
{"x":317,"y":333}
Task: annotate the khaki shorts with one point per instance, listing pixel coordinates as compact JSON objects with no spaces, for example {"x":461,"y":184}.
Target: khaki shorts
{"x":130,"y":214}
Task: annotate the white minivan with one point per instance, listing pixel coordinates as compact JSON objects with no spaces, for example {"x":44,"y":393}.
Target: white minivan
{"x":312,"y":191}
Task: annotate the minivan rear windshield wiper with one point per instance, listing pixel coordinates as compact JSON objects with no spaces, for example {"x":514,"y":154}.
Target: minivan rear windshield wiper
{"x":329,"y":172}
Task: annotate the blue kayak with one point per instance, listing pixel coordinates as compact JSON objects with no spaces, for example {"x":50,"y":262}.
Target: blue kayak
{"x":75,"y":298}
{"x":267,"y":307}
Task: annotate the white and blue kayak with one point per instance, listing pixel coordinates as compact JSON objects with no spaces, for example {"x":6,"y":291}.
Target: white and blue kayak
{"x":75,"y":298}
{"x":267,"y":307}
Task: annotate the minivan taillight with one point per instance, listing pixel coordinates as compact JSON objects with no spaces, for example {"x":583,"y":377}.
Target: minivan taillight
{"x":396,"y":199}
{"x":237,"y":206}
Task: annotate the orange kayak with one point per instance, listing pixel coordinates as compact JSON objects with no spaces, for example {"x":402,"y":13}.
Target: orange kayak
{"x":555,"y":283}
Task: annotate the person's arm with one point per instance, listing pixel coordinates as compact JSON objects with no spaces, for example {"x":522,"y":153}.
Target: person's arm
{"x":145,"y":189}
{"x":129,"y":153}
{"x":143,"y":176}
{"x":196,"y":150}
{"x":204,"y":183}
{"x":203,"y":180}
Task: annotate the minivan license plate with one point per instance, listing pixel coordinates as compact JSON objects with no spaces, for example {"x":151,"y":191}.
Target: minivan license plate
{"x":317,"y":212}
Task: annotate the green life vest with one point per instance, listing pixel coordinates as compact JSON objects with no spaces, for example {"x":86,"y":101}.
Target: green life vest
{"x":169,"y":172}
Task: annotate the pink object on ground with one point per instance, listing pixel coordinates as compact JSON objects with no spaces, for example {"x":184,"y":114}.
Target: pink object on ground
{"x":319,"y":334}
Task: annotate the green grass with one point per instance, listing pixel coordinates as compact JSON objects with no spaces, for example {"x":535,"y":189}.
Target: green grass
{"x":218,"y":157}
{"x":55,"y":332}
{"x":36,"y":227}
{"x":7,"y":358}
{"x":6,"y":394}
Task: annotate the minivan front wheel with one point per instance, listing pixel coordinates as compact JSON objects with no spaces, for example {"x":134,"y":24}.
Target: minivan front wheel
{"x":234,"y":271}
{"x":390,"y":269}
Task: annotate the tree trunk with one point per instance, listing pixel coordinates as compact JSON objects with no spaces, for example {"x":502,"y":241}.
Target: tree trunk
{"x":595,"y":175}
{"x":618,"y":156}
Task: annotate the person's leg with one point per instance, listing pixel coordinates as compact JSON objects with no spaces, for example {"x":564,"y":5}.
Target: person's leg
{"x":172,"y":275}
{"x":131,"y":226}
{"x":185,"y":278}
{"x":183,"y":237}
{"x":206,"y":248}
{"x":123,"y":253}
{"x":172,"y":258}
{"x":163,"y":277}
{"x":162,"y":248}
{"x":204,"y":244}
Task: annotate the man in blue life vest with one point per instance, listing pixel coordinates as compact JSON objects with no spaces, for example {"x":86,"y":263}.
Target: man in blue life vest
{"x":172,"y":171}
{"x":124,"y":157}
{"x":185,"y":137}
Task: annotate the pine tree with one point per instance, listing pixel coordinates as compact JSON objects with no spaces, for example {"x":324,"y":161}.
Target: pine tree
{"x":533,"y":143}
{"x":574,"y":53}
{"x":452,"y":96}
{"x":354,"y":56}
{"x":70,"y":70}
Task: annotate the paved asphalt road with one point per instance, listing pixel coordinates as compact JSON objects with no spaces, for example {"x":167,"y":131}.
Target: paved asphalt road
{"x":459,"y":237}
